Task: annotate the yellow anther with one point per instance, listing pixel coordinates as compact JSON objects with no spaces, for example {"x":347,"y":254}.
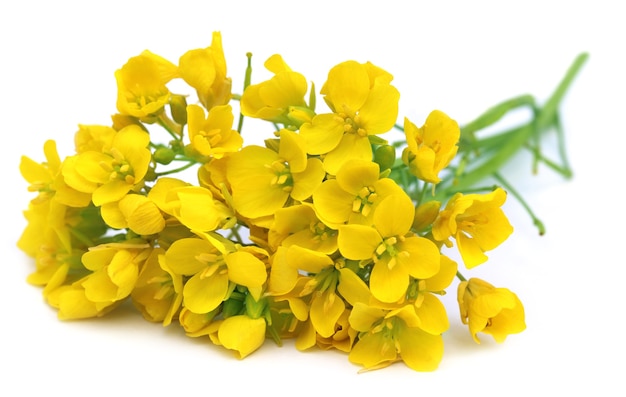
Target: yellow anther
{"x":282,"y":179}
{"x":124,"y":168}
{"x":364,"y":192}
{"x":129,"y":179}
{"x":356,"y":205}
{"x":206,"y":258}
{"x":164,"y":291}
{"x":361,"y":132}
{"x":391,"y":240}
{"x":117,"y":155}
{"x":365,"y":211}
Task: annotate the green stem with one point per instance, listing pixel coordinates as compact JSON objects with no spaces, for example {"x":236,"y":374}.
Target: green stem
{"x":246,"y":83}
{"x":536,"y":221}
{"x":174,"y":171}
{"x":460,"y":276}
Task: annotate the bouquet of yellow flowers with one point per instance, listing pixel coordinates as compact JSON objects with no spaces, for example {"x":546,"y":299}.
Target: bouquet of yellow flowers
{"x":327,"y":233}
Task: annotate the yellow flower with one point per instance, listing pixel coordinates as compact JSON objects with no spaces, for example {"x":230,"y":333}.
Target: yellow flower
{"x":205,"y":70}
{"x":240,"y":333}
{"x":390,"y":335}
{"x":432,"y":147}
{"x":158,"y":292}
{"x":397,"y":253}
{"x":73,"y":304}
{"x":494,"y":311}
{"x":213,"y":135}
{"x":110,"y":174}
{"x":47,"y":179}
{"x":279,"y":99}
{"x":299,"y":225}
{"x":363,"y":104}
{"x":93,"y":137}
{"x":136,"y":212}
{"x":115,"y":270}
{"x":353,"y":195}
{"x":141,"y":90}
{"x":476,"y":222}
{"x":262,"y":180}
{"x":213,"y":262}
{"x":194,"y":206}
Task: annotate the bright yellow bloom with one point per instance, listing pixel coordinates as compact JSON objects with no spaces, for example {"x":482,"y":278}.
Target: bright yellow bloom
{"x":115,"y":270}
{"x":213,"y":262}
{"x":73,"y":304}
{"x":109,"y":175}
{"x":477,"y":223}
{"x":363,"y":104}
{"x":432,"y":147}
{"x":388,"y":336}
{"x":299,"y":225}
{"x":213,"y":136}
{"x":98,"y":138}
{"x":279,"y":99}
{"x":325,"y":306}
{"x":353,"y":195}
{"x":262,"y":180}
{"x":141,"y":90}
{"x":193,"y":206}
{"x":240,"y":333}
{"x":205,"y":70}
{"x":494,"y":311}
{"x":397,"y":253}
{"x":158,"y":291}
{"x":136,"y":212}
{"x":47,"y":179}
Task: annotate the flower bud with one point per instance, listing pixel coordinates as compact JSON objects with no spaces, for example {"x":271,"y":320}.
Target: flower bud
{"x":385,"y":156}
{"x":178,"y":106}
{"x":163,"y":155}
{"x":425,"y":215}
{"x":485,"y":308}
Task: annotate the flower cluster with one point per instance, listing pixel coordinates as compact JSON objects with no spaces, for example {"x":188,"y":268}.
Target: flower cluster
{"x":321,"y":234}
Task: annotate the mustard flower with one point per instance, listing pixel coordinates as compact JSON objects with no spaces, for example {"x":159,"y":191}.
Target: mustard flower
{"x":397,"y":254}
{"x":205,"y":70}
{"x":47,"y":179}
{"x":158,"y":291}
{"x":279,"y":99}
{"x":325,"y":306}
{"x":141,"y":85}
{"x":262,"y":180}
{"x":494,"y":311}
{"x":115,"y":268}
{"x":432,"y":147}
{"x":194,"y":206}
{"x":363,"y":103}
{"x":212,"y":136}
{"x":299,"y":225}
{"x":213,"y":262}
{"x":387,"y":336}
{"x":97,"y":138}
{"x":240,"y":333}
{"x":476,"y":222}
{"x":72,"y":303}
{"x":111,"y":174}
{"x":47,"y":237}
{"x":135,"y":212}
{"x":353,"y":195}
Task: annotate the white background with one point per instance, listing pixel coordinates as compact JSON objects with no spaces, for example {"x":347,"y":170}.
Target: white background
{"x":57,"y":65}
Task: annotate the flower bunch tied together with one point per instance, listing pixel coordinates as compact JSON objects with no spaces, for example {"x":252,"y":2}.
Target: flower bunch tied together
{"x":327,"y":233}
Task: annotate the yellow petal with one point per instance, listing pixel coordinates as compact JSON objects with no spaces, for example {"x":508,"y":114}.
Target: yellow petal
{"x":201,"y":295}
{"x":242,"y":334}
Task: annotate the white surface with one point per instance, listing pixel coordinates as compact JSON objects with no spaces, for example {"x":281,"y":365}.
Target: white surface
{"x":57,"y":70}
